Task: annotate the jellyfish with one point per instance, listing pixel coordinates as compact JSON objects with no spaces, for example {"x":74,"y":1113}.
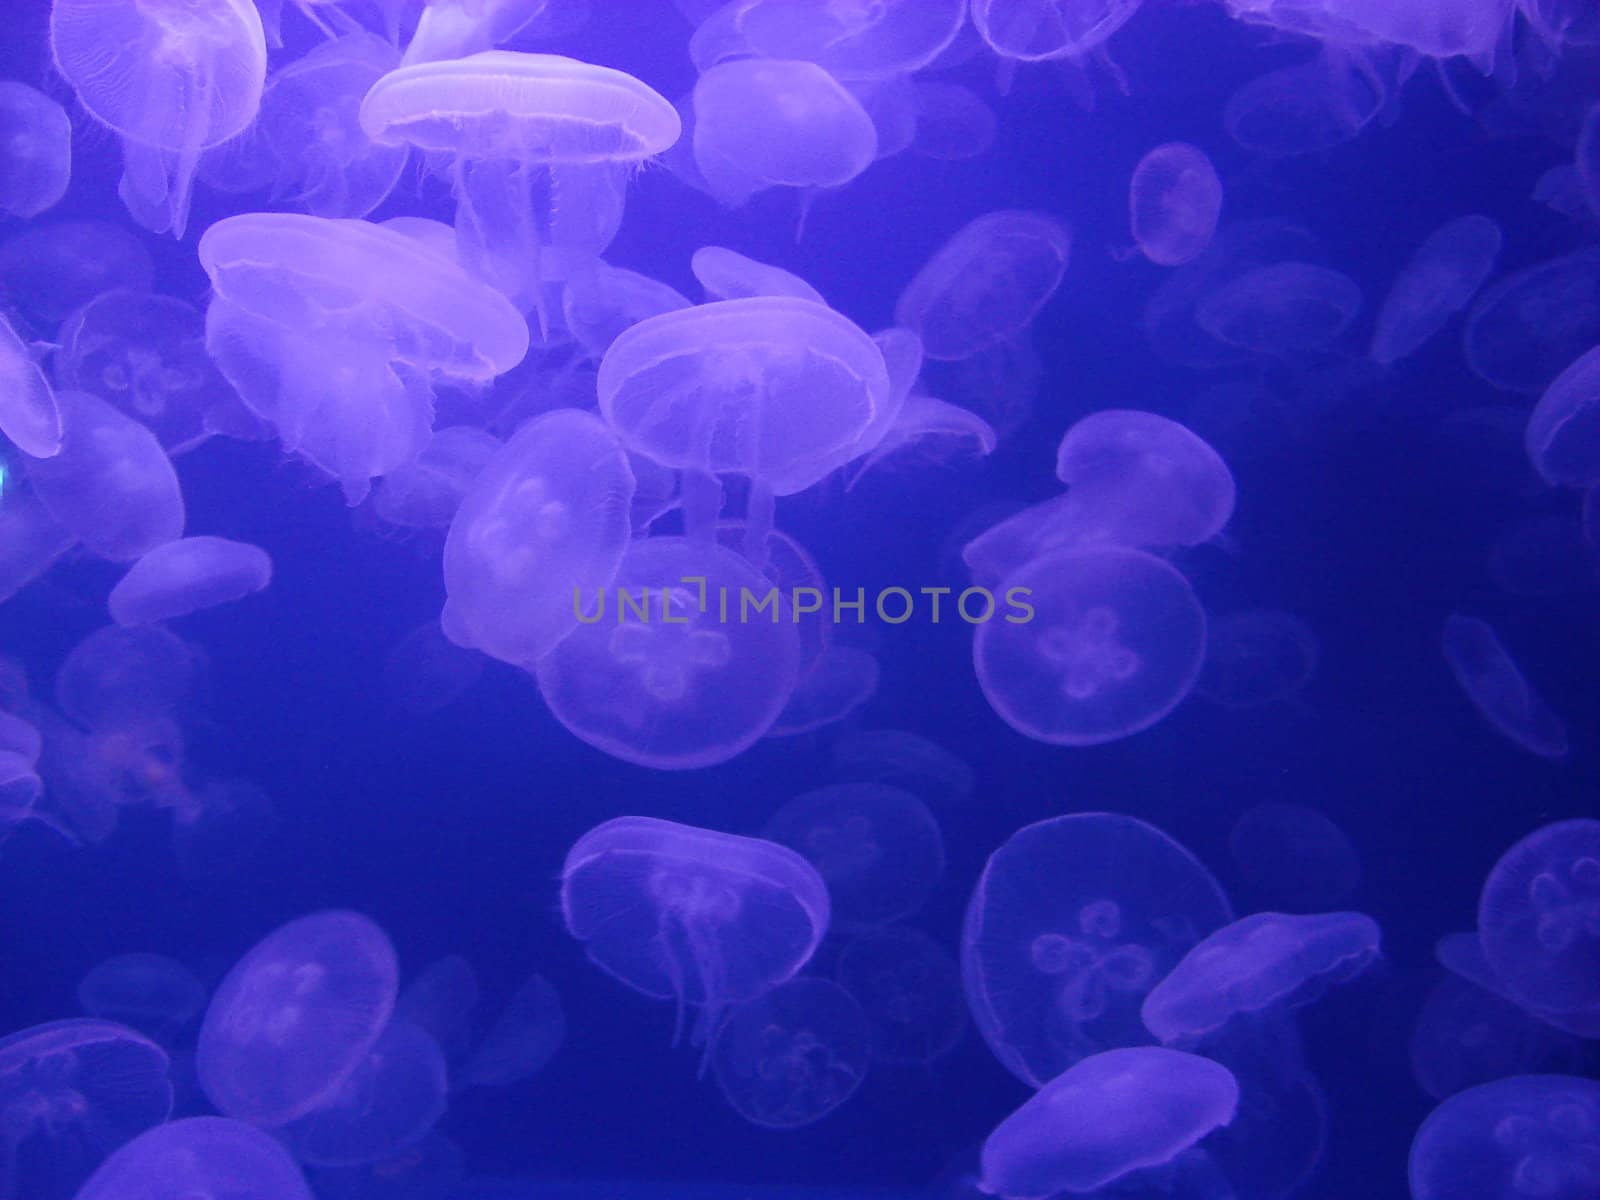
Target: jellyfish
{"x":20,"y":790}
{"x":1466,"y":1035}
{"x":1548,"y":554}
{"x":1294,"y":857}
{"x":427,"y":493}
{"x":425,"y":671}
{"x":1071,"y":924}
{"x":29,"y":413}
{"x":1106,"y":1117}
{"x":728,"y":275}
{"x":1256,"y":657}
{"x":903,"y":759}
{"x":1040,"y":30}
{"x":1465,"y":28}
{"x":296,"y":1017}
{"x":206,"y":1158}
{"x":19,"y":737}
{"x":839,"y":683}
{"x":793,"y":1055}
{"x":70,"y":1093}
{"x":1286,"y":309}
{"x":1439,"y":281}
{"x":171,"y":78}
{"x":35,"y":150}
{"x":528,"y":136}
{"x":1497,"y":688}
{"x":1530,"y":1135}
{"x":877,"y":847}
{"x":929,"y":430}
{"x":50,"y":269}
{"x":909,"y":987}
{"x":1539,"y":918}
{"x":704,"y":918}
{"x":458,"y":28}
{"x":1530,"y":326}
{"x":442,"y":1001}
{"x":1022,"y":537}
{"x":522,"y":1040}
{"x":1306,"y":108}
{"x":598,"y":304}
{"x":115,"y":675}
{"x":1174,"y":201}
{"x":1562,"y":430}
{"x":764,"y":122}
{"x":986,"y":284}
{"x":188,"y":575}
{"x":154,"y":994}
{"x":953,"y":122}
{"x":851,"y":41}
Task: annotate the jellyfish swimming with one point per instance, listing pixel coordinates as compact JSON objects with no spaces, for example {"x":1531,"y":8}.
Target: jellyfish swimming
{"x":149,"y":992}
{"x":35,"y":150}
{"x":1175,"y":201}
{"x":199,"y":1157}
{"x":1497,"y":688}
{"x":909,"y":987}
{"x":1562,"y":430}
{"x":29,"y":413}
{"x":187,"y":575}
{"x":526,"y":1035}
{"x":1439,"y":281}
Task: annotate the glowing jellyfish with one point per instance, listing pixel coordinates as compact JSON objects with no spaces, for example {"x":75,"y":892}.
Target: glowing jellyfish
{"x":1072,"y":922}
{"x":704,"y":918}
{"x":1261,"y":962}
{"x":598,"y":304}
{"x":20,"y":790}
{"x":728,"y":275}
{"x":1174,"y":202}
{"x":1529,"y":327}
{"x":205,"y":1158}
{"x":521,"y":131}
{"x":1306,"y":108}
{"x":1256,"y":657}
{"x":840,"y":682}
{"x":70,"y":1093}
{"x":1101,"y":643}
{"x":427,"y":493}
{"x":1106,"y":1117}
{"x":762,"y":123}
{"x":1466,"y":1035}
{"x":903,"y":759}
{"x":50,"y":269}
{"x":953,"y":122}
{"x":1497,"y":688}
{"x":791,"y":1056}
{"x":115,"y":675}
{"x":186,"y":576}
{"x":541,"y":532}
{"x":878,"y":848}
{"x":850,"y":40}
{"x":909,"y":987}
{"x":1563,"y":436}
{"x":35,"y":150}
{"x":986,"y":284}
{"x":1539,"y":918}
{"x":154,"y":994}
{"x":170,"y":77}
{"x":526,"y":1036}
{"x":29,"y":413}
{"x":442,"y":1001}
{"x":1531,"y":1135}
{"x":1440,"y":280}
{"x":1038,"y":30}
{"x":1547,"y":554}
{"x":1467,"y":28}
{"x":1294,"y":857}
{"x":927,"y":430}
{"x":296,"y":1017}
{"x":457,"y":28}
{"x":1284,"y":309}
{"x":19,"y":737}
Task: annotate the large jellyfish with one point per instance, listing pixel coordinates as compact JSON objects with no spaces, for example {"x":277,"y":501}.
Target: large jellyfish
{"x":199,"y":1158}
{"x":704,"y":918}
{"x":909,"y":986}
{"x":1174,"y":201}
{"x":171,"y":77}
{"x":29,"y":414}
{"x":1072,"y":922}
{"x":1440,"y":280}
{"x":1564,"y":429}
{"x":35,"y":150}
{"x":185,"y":576}
{"x":1497,"y":688}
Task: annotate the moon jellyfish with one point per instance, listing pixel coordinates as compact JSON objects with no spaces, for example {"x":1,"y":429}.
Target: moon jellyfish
{"x":296,"y":1017}
{"x":199,"y":1158}
{"x":878,"y":848}
{"x":1037,"y":30}
{"x":1294,"y":857}
{"x":427,"y":493}
{"x":1440,"y":280}
{"x":903,"y":759}
{"x":1466,"y":1035}
{"x":1285,"y":309}
{"x":704,"y":918}
{"x":458,"y":28}
{"x":186,"y":576}
{"x":70,"y":1093}
{"x":541,"y":532}
{"x":791,"y":1056}
{"x":29,"y":414}
{"x":1307,"y":108}
{"x":442,"y":1001}
{"x":953,"y":122}
{"x":35,"y":150}
{"x":728,"y":275}
{"x":172,"y":78}
{"x":1113,"y":642}
{"x":154,"y":994}
{"x":521,"y":130}
{"x":115,"y":675}
{"x":1531,"y":1135}
{"x":1563,"y":435}
{"x":909,"y":987}
{"x":1466,"y":28}
{"x":1261,"y":962}
{"x":847,"y":39}
{"x":1106,"y":1117}
{"x":1498,"y":690}
{"x":599,"y":303}
{"x":1539,"y":918}
{"x":20,"y":791}
{"x":840,"y":682}
{"x":986,"y":284}
{"x":1256,"y":657}
{"x":761,"y":123}
{"x":929,"y":431}
{"x":526,"y":1036}
{"x":51,"y":269}
{"x":1174,"y":201}
{"x":1138,"y":479}
{"x":1529,"y":327}
{"x":1071,"y":924}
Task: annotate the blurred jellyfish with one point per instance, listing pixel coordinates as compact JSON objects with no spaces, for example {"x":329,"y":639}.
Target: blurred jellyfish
{"x":598,"y":304}
{"x":1021,"y":537}
{"x":52,"y":269}
{"x":903,"y":759}
{"x":1071,"y":924}
{"x":29,"y":413}
{"x":1462,"y":955}
{"x":199,"y":1157}
{"x":704,"y":918}
{"x":457,"y":28}
{"x":425,"y":671}
{"x":1529,"y":327}
{"x":847,"y":39}
{"x":1466,"y":28}
{"x":953,"y":122}
{"x":20,"y":790}
{"x":296,"y":1017}
{"x":1174,"y":200}
{"x":117,"y":675}
{"x":1562,"y":22}
{"x":442,"y":1001}
{"x":426,"y":493}
{"x":171,"y":78}
{"x":70,"y":1093}
{"x":154,"y":994}
{"x":1106,"y":1117}
{"x":19,"y":737}
{"x":186,"y":576}
{"x":1466,"y":1035}
{"x":1294,"y":857}
{"x":1563,"y":436}
{"x":1285,"y":309}
{"x":926,"y":430}
{"x":35,"y":150}
{"x":1037,"y":30}
{"x":1544,"y":555}
{"x":986,"y":284}
{"x":909,"y":987}
{"x":728,"y":275}
{"x":1439,"y":281}
{"x":1531,"y":1135}
{"x":1306,"y":108}
{"x":840,"y":682}
{"x":1497,"y":688}
{"x":878,"y":848}
{"x":791,"y":1056}
{"x":1256,"y":657}
{"x":221,"y":828}
{"x":1000,"y":383}
{"x":526,"y":1036}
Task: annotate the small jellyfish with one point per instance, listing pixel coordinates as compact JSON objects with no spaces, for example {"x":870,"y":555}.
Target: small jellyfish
{"x":1440,"y":280}
{"x":296,"y":1017}
{"x":1040,"y":30}
{"x":1539,"y":918}
{"x":1495,"y":685}
{"x":457,"y":28}
{"x":1294,"y":857}
{"x":51,"y":269}
{"x":903,"y":759}
{"x":199,"y":1158}
{"x":1530,"y":326}
{"x":986,"y":284}
{"x":35,"y":150}
{"x":791,"y":1056}
{"x":1466,"y":28}
{"x":116,"y":675}
{"x":20,"y":790}
{"x":426,"y":493}
{"x":877,"y":847}
{"x":1106,"y":1117}
{"x":953,"y":122}
{"x":525,"y":1036}
{"x":1256,"y":657}
{"x":848,"y":39}
{"x":1563,"y":435}
{"x":154,"y":994}
{"x":188,"y":575}
{"x":929,"y":431}
{"x":442,"y":1001}
{"x":1174,"y":202}
{"x":1282,"y":310}
{"x":1306,"y":108}
{"x":909,"y":986}
{"x":1256,"y":964}
{"x":1531,"y":1135}
{"x":728,"y":275}
{"x":598,"y":304}
{"x":1071,"y":924}
{"x":1466,"y":1035}
{"x":29,"y":413}
{"x":840,"y":682}
{"x":704,"y":918}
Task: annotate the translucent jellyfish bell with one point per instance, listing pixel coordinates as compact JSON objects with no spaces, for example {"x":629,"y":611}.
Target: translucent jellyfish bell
{"x":1174,"y":202}
{"x":115,"y":675}
{"x":848,"y":39}
{"x":29,"y":414}
{"x":909,"y":987}
{"x":1466,"y":1035}
{"x":52,"y":268}
{"x":1285,"y":309}
{"x":1468,"y":28}
{"x":151,"y":993}
{"x":1526,"y":329}
{"x":728,"y":275}
{"x":704,"y":918}
{"x":1498,"y":689}
{"x":1563,"y":436}
{"x":186,"y":576}
{"x":526,"y":1036}
{"x":199,"y":1157}
{"x":35,"y":150}
{"x":1294,"y":857}
{"x":1071,"y":924}
{"x":1308,"y":107}
{"x":1439,"y":281}
{"x":1038,"y":30}
{"x":903,"y":759}
{"x":1257,"y":657}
